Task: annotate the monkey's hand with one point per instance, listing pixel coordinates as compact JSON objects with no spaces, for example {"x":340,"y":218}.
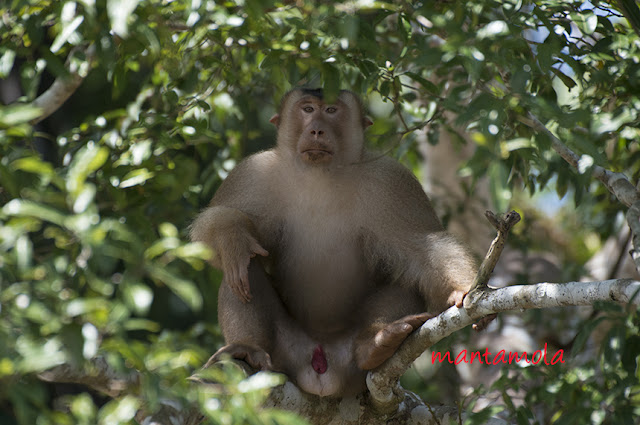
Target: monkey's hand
{"x":235,"y":264}
{"x":456,"y":298}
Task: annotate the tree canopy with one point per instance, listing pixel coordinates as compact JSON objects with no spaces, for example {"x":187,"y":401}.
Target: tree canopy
{"x":120,"y":119}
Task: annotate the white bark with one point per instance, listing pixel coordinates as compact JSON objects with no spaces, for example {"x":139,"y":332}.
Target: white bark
{"x":383,"y":382}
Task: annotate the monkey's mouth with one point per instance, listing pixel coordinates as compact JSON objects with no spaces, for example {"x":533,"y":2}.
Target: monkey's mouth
{"x":316,"y":155}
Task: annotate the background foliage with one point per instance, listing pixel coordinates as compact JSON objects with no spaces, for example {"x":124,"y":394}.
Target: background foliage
{"x":97,"y":199}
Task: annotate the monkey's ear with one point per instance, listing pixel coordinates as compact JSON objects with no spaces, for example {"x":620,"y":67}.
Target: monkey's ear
{"x":366,"y":122}
{"x":275,"y":120}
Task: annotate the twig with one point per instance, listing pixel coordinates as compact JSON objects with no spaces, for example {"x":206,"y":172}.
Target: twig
{"x":503,"y":225}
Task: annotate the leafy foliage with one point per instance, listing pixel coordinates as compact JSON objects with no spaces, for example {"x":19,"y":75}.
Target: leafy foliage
{"x":97,"y":198}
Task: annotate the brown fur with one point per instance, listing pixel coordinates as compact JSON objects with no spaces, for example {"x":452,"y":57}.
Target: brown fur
{"x":353,"y":249}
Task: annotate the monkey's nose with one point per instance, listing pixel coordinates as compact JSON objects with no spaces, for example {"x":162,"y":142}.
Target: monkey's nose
{"x":317,"y":133}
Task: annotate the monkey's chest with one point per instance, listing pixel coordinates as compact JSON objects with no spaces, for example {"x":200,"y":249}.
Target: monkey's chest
{"x":321,"y":275}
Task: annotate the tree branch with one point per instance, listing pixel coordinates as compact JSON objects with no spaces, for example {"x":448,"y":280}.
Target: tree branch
{"x":62,"y":88}
{"x":633,"y":219}
{"x":617,"y":183}
{"x":98,"y":376}
{"x":384,"y":386}
{"x":409,"y":408}
{"x":385,"y":397}
{"x":503,"y":225}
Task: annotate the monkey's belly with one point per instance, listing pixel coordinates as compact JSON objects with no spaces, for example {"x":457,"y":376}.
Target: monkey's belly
{"x":324,"y":290}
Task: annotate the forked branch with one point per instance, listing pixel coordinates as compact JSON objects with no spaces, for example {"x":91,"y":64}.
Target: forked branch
{"x":383,"y":382}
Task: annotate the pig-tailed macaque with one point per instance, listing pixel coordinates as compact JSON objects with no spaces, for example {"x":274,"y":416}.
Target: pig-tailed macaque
{"x":331,"y":255}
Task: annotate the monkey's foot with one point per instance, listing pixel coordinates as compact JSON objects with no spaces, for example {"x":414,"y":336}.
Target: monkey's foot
{"x":372,"y":352}
{"x":255,"y":357}
{"x":482,"y":324}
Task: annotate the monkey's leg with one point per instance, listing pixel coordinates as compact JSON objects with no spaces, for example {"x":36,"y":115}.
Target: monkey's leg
{"x":249,"y":329}
{"x":388,"y":317}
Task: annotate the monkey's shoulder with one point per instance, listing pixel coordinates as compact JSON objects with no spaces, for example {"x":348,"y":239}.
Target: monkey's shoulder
{"x":248,"y":182}
{"x":253,"y":169}
{"x":259,"y":162}
{"x":392,"y":187}
{"x":385,"y":172}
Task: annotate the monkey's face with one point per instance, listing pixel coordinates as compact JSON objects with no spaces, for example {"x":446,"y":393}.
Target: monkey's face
{"x":318,"y":133}
{"x":321,"y":129}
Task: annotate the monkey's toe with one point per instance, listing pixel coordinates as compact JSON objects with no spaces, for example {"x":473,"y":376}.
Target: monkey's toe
{"x":255,"y":357}
{"x":482,"y":324}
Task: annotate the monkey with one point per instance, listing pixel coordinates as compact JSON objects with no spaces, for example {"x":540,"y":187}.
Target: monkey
{"x":331,"y":254}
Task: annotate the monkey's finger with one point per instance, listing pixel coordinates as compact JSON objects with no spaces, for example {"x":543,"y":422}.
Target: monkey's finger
{"x":256,"y":248}
{"x":456,"y":298}
{"x":244,"y":283}
{"x":233,"y":280}
{"x":234,"y":289}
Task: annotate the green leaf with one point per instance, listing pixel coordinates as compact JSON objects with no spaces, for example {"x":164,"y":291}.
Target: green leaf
{"x":20,"y":207}
{"x":568,"y":81}
{"x":14,"y":115}
{"x":136,"y":177}
{"x":66,"y":33}
{"x":6,"y":63}
{"x":119,"y":12}
{"x":119,"y":411}
{"x":493,"y":29}
{"x":426,"y":84}
{"x":86,"y":161}
{"x":183,"y":288}
{"x":330,"y":81}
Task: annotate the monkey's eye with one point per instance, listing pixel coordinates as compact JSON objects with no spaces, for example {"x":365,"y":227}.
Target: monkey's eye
{"x":331,"y":109}
{"x":308,"y":109}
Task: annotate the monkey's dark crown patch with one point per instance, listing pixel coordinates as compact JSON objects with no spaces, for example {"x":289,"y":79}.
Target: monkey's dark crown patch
{"x":317,"y":92}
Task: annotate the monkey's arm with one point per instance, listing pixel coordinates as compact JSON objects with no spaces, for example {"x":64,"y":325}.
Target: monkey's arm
{"x":229,"y":225}
{"x":231,"y":235}
{"x":413,"y":245}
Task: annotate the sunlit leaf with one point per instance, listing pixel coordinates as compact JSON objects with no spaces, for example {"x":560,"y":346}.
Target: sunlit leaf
{"x":120,"y":11}
{"x":6,"y":62}
{"x":14,"y":115}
